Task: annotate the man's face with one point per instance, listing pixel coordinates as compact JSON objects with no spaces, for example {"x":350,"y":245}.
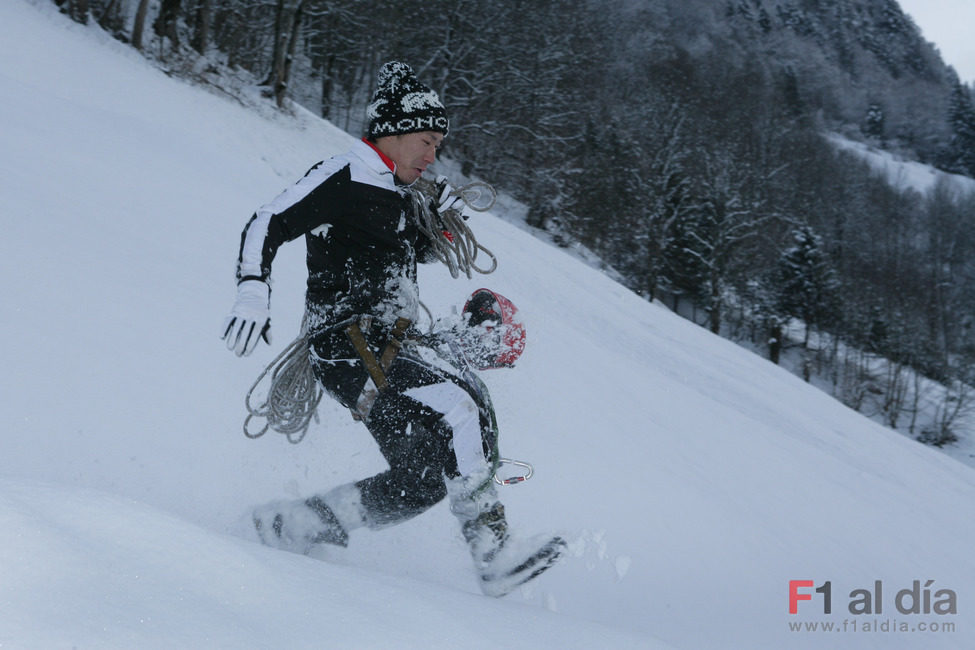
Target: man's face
{"x":411,"y":152}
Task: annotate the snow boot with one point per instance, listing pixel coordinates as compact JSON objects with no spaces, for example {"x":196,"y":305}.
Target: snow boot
{"x":300,"y":526}
{"x":502,"y":561}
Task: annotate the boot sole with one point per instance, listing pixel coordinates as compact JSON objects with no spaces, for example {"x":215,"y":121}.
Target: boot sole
{"x":501,"y":584}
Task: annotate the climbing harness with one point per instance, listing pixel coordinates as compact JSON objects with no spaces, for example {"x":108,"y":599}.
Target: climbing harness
{"x":377,"y":367}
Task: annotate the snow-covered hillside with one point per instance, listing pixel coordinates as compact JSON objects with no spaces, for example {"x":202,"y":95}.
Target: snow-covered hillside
{"x":905,"y":174}
{"x":695,"y":480}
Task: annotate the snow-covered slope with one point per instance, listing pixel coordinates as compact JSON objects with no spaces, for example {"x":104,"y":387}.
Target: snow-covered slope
{"x":905,"y":174}
{"x":694,"y":479}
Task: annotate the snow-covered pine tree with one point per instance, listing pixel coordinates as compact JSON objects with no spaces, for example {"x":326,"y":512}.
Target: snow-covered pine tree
{"x":960,"y":156}
{"x":806,"y":281}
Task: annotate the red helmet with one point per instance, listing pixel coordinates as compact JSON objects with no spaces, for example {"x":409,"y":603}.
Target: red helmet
{"x":498,"y":316}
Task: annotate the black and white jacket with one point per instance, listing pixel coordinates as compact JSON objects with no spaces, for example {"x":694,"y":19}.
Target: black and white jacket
{"x":362,"y":241}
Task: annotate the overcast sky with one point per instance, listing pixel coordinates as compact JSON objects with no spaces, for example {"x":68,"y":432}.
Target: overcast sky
{"x":949,"y":24}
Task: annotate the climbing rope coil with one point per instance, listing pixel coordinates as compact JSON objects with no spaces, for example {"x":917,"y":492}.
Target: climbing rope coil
{"x":293,"y":395}
{"x":454,"y":243}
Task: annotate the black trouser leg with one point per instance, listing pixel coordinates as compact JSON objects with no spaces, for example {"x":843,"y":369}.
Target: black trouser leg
{"x":418,"y":453}
{"x":413,"y":438}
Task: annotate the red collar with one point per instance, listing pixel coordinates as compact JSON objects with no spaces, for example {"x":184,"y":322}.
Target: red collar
{"x":386,"y":159}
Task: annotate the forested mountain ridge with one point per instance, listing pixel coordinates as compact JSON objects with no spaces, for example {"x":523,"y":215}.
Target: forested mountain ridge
{"x":864,"y":63}
{"x":861,"y":64}
{"x":681,"y":141}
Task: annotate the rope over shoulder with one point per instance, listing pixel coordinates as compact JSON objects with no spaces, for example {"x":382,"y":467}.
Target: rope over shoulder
{"x":458,"y":251}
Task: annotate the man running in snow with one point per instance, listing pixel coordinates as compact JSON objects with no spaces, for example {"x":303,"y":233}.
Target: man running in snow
{"x":363,"y":245}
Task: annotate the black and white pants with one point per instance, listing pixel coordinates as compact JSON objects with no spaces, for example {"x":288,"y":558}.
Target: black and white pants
{"x":430,"y":424}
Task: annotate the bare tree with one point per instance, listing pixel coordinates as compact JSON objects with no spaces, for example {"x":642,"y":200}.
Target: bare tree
{"x":139,"y":25}
{"x":165,"y":25}
{"x":204,"y":20}
{"x":287,"y":31}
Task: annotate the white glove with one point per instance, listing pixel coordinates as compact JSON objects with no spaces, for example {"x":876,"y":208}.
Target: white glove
{"x":250,"y":319}
{"x":446,"y":199}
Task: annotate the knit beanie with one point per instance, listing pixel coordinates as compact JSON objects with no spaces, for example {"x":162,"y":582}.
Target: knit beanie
{"x":404,"y":105}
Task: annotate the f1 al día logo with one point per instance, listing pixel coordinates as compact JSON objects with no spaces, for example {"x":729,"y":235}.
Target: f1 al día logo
{"x":921,"y":606}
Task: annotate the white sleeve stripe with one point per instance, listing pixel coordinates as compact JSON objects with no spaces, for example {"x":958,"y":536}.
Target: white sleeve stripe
{"x":252,"y":251}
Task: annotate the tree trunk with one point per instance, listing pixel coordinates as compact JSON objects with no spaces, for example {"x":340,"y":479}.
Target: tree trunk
{"x":775,"y":343}
{"x":140,"y":23}
{"x":165,"y":24}
{"x":327,"y":86}
{"x":201,"y":35}
{"x":714,"y":311}
{"x":281,"y":88}
{"x":109,"y":18}
{"x":287,"y":25}
{"x":278,"y":47}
